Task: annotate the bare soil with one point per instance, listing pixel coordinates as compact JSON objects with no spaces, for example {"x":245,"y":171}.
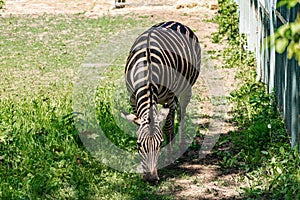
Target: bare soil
{"x":192,"y":177}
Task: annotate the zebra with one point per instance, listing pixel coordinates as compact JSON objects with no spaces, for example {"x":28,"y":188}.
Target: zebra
{"x":162,"y":66}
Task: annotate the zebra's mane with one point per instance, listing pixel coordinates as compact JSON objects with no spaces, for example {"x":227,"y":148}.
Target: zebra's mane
{"x":152,"y":108}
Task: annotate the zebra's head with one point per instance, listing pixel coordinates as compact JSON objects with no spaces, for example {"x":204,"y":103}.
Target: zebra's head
{"x":149,"y":140}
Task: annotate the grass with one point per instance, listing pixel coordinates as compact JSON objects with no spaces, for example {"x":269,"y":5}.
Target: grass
{"x":260,"y":148}
{"x":41,"y":154}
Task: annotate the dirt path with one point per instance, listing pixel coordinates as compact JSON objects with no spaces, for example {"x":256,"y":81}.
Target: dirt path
{"x":200,"y":177}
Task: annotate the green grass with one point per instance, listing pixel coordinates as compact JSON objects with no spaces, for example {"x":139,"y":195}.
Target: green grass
{"x":41,"y":154}
{"x":260,"y":148}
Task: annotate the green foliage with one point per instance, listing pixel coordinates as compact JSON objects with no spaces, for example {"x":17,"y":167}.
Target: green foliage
{"x":260,"y":148}
{"x":109,"y":105}
{"x":278,"y":178}
{"x":252,"y":103}
{"x":227,"y":18}
{"x":288,"y":3}
{"x":2,"y":3}
{"x":41,"y":154}
{"x":287,"y":36}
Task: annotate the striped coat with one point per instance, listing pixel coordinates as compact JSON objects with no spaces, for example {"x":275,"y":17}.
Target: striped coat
{"x":162,"y":66}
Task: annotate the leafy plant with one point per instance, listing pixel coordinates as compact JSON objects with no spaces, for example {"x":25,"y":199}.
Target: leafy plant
{"x":41,"y":154}
{"x":288,"y":3}
{"x":260,"y":147}
{"x":2,"y":3}
{"x":287,"y":36}
{"x":227,"y":18}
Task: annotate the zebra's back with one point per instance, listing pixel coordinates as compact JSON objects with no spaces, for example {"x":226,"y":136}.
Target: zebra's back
{"x":163,"y":61}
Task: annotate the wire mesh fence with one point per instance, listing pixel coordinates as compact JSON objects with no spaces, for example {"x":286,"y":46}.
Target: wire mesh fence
{"x":259,"y":19}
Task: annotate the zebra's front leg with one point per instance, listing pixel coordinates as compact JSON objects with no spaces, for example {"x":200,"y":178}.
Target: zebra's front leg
{"x":184,"y":100}
{"x":169,"y":132}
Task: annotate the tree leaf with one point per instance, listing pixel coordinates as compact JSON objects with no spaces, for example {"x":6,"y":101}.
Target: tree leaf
{"x":295,"y":28}
{"x":292,"y":3}
{"x":281,"y":150}
{"x":288,"y":3}
{"x":298,"y":16}
{"x":282,"y":3}
{"x":291,"y":50}
{"x":281,"y":44}
{"x":282,"y":29}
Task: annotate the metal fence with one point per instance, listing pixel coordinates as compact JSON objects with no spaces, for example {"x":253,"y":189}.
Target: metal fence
{"x":259,"y":19}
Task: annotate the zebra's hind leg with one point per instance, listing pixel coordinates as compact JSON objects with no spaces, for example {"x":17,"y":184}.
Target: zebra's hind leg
{"x":184,"y":100}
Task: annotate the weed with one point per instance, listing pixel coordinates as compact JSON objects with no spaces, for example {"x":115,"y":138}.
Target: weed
{"x":2,"y":3}
{"x":41,"y":155}
{"x":260,"y":147}
{"x":184,"y":14}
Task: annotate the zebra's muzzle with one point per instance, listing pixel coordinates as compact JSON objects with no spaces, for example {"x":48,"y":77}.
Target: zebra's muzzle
{"x":151,"y":177}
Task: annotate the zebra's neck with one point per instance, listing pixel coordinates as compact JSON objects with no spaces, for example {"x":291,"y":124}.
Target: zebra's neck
{"x":150,"y":117}
{"x":147,"y":100}
{"x":148,"y":108}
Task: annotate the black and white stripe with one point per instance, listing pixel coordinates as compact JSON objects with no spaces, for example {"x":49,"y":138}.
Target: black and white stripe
{"x":163,"y":64}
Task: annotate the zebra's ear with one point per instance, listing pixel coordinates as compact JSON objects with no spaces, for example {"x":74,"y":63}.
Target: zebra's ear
{"x":131,"y":117}
{"x":163,"y":113}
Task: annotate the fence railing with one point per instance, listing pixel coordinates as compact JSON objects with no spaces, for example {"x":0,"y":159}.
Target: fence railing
{"x":259,"y":19}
